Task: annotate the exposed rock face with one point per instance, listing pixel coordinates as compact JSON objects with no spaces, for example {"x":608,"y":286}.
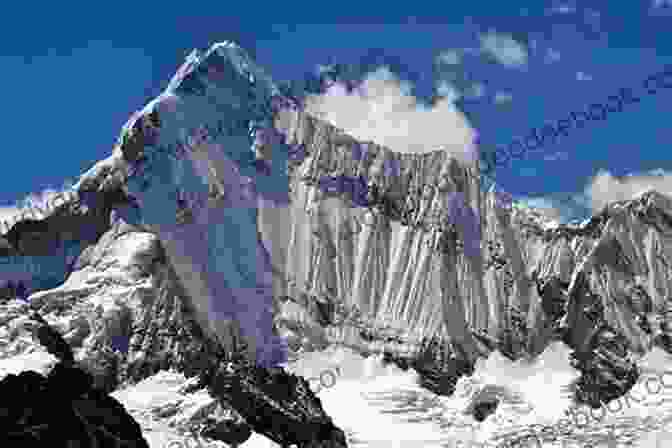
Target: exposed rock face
{"x":77,"y":412}
{"x":292,"y":415}
{"x":485,"y":402}
{"x":231,"y":432}
{"x":123,"y":297}
{"x":226,"y":219}
{"x":484,"y":409}
{"x":126,"y":315}
{"x":383,"y":249}
{"x":39,"y":245}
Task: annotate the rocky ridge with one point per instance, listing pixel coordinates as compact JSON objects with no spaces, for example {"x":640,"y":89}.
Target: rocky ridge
{"x":85,"y":415}
{"x":131,"y":305}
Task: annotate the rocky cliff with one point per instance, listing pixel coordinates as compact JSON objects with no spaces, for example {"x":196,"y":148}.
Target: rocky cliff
{"x":78,"y":412}
{"x":227,"y":217}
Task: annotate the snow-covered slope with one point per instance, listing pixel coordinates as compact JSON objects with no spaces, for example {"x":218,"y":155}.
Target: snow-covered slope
{"x":209,"y":226}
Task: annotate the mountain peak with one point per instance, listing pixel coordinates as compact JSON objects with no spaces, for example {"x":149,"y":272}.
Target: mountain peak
{"x":221,"y":62}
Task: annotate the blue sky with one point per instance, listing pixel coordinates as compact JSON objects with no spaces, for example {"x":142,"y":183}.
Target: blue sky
{"x":74,"y":74}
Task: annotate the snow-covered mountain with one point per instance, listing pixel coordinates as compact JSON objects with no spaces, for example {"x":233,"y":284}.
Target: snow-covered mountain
{"x":227,"y":217}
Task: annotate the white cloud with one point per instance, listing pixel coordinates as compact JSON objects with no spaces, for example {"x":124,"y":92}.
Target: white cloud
{"x":657,"y":172}
{"x":33,"y":200}
{"x":561,"y":207}
{"x":605,"y":188}
{"x":560,"y":155}
{"x":504,"y":49}
{"x":545,"y":206}
{"x":660,"y":8}
{"x":527,"y":172}
{"x":593,"y":15}
{"x":562,"y":9}
{"x":581,"y":199}
{"x":450,"y":57}
{"x":593,"y":20}
{"x":321,"y":68}
{"x":448,"y":91}
{"x":581,"y":76}
{"x":551,"y":56}
{"x":38,"y":200}
{"x":476,"y":90}
{"x":383,"y":110}
{"x":7,"y":212}
{"x":503,"y":97}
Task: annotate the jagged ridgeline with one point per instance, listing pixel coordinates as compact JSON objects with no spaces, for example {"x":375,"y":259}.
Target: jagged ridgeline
{"x":281,"y":233}
{"x":41,"y":244}
{"x":289,"y":162}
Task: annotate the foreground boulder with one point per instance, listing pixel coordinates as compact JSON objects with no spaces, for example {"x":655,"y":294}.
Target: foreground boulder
{"x":607,"y":371}
{"x":270,"y":401}
{"x":231,"y":431}
{"x":63,"y":407}
{"x":439,"y":367}
{"x":274,"y":403}
{"x":483,"y":410}
{"x":485,"y":402}
{"x":601,"y":352}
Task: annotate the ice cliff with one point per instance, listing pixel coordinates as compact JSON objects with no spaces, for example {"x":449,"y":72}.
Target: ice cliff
{"x":228,"y":217}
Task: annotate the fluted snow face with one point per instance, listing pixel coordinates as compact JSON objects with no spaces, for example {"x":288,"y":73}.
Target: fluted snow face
{"x":237,"y":237}
{"x":394,"y":270}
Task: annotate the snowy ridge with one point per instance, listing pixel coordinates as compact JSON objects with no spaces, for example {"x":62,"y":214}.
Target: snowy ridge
{"x":148,"y":281}
{"x":223,"y":83}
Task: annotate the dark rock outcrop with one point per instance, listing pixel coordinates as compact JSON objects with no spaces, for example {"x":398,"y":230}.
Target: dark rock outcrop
{"x":230,"y":431}
{"x":484,"y":409}
{"x":602,"y":286}
{"x":600,"y":352}
{"x":270,"y":402}
{"x":485,"y":402}
{"x":274,"y":403}
{"x":62,"y":408}
{"x":608,"y":372}
{"x":439,"y":367}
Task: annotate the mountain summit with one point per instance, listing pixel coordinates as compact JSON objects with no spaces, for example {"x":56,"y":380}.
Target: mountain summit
{"x":229,"y":220}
